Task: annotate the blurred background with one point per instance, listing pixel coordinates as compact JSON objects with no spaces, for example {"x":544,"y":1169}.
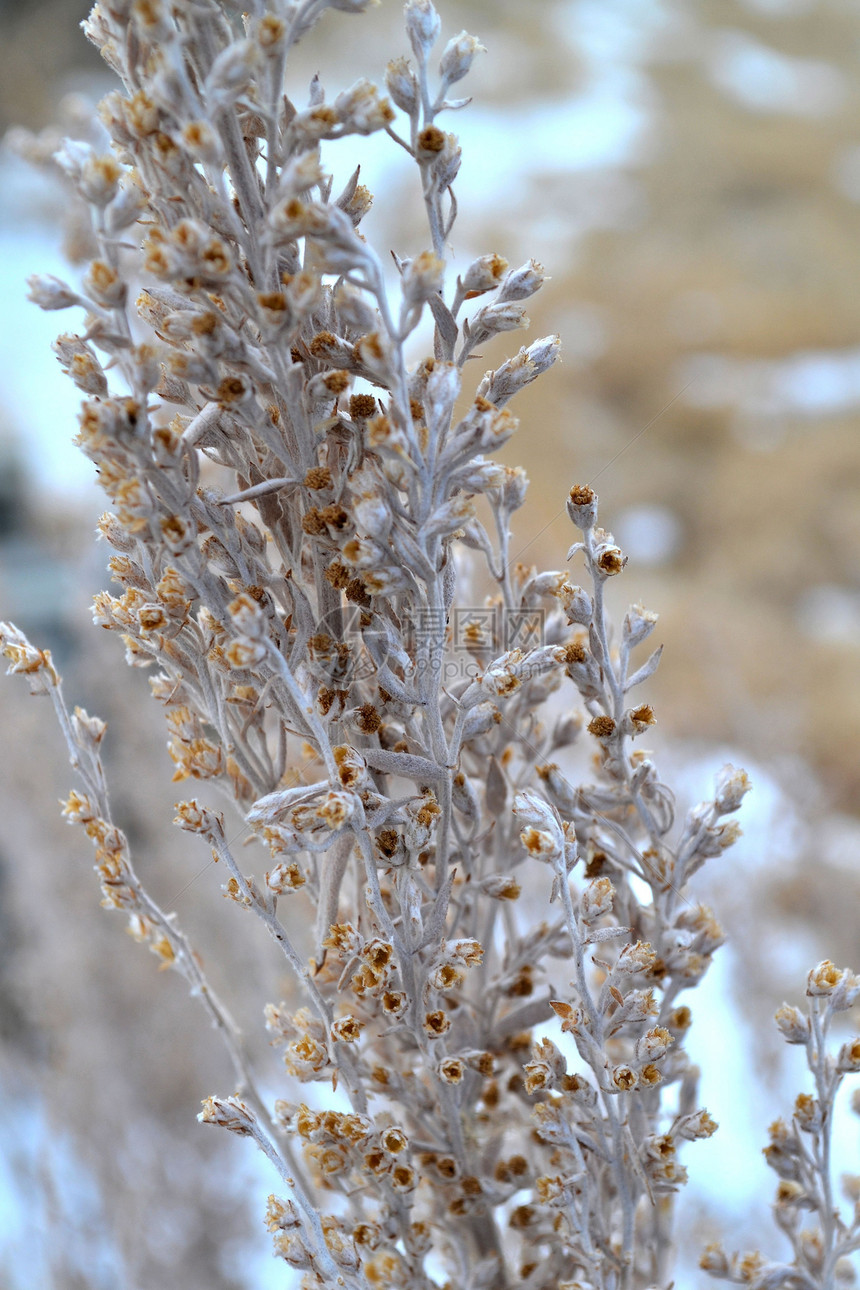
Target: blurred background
{"x":688,"y":173}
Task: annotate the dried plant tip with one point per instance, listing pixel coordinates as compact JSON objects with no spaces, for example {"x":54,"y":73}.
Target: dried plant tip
{"x":823,"y":979}
{"x":436,"y":1024}
{"x":346,"y":1030}
{"x":582,"y":507}
{"x":640,"y":719}
{"x":483,"y":274}
{"x":654,"y":1044}
{"x":624,"y":1079}
{"x":27,"y":661}
{"x":596,"y":899}
{"x":457,"y":58}
{"x":270,"y":34}
{"x":422,"y":278}
{"x":639,"y":623}
{"x":318,"y":477}
{"x":792,"y":1024}
{"x":501,"y":887}
{"x":99,"y":180}
{"x":422,"y":27}
{"x":402,"y":85}
{"x":609,"y":559}
{"x":523,"y":282}
{"x":848,"y":1059}
{"x":577,"y":604}
{"x":431,"y":141}
{"x":635,"y":958}
{"x":601,"y":727}
{"x":714,"y":1260}
{"x":229,"y":1113}
{"x":49,"y":292}
{"x":732,"y":786}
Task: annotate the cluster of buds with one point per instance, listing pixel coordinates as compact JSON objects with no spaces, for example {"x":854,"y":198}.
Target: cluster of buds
{"x":799,"y":1150}
{"x":294,"y":505}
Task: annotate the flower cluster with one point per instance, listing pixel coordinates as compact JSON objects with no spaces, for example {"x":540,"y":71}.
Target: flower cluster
{"x":821,"y":1237}
{"x":293,"y":503}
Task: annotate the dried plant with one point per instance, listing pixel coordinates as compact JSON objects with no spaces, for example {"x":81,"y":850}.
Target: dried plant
{"x":799,"y":1154}
{"x":293,"y":546}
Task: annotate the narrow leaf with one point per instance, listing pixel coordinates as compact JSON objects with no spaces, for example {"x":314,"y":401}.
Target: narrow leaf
{"x":648,"y":668}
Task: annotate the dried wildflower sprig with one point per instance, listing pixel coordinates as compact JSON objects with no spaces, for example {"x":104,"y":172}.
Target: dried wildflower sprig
{"x":122,"y":890}
{"x":287,"y":547}
{"x":799,"y":1152}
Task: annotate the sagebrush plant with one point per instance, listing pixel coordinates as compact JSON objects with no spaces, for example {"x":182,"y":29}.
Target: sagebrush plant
{"x":291,"y":544}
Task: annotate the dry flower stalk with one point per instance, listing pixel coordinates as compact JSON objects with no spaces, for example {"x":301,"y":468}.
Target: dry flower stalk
{"x":288,"y":544}
{"x":799,"y":1153}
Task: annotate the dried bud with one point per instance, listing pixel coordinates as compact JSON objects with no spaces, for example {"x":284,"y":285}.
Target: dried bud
{"x":467,"y":951}
{"x":79,"y":362}
{"x":442,"y":153}
{"x":532,"y":810}
{"x":609,"y":559}
{"x":247,"y":616}
{"x":539,"y":1076}
{"x":498,"y":317}
{"x":695,"y":1126}
{"x":718,"y":838}
{"x":807,"y":1113}
{"x":523,"y":282}
{"x":823,"y":979}
{"x":482,"y":275}
{"x":732,"y":787}
{"x":792,"y":1024}
{"x":541,"y":844}
{"x":635,"y":958}
{"x":639,"y":623}
{"x":285,"y":879}
{"x":789,"y":1194}
{"x":104,"y":285}
{"x":436,"y":1024}
{"x":99,"y":179}
{"x":361,"y":109}
{"x":846,"y":993}
{"x":499,"y":387}
{"x":78,"y":809}
{"x":653,"y":1045}
{"x":230,"y":1113}
{"x":457,"y":58}
{"x":623,"y":1079}
{"x":582,"y":507}
{"x":49,"y":292}
{"x":422,"y":278}
{"x":501,"y":887}
{"x":514,"y":488}
{"x":422,"y":27}
{"x":231,"y":72}
{"x":452,"y":1070}
{"x":849,"y":1056}
{"x":596,"y":899}
{"x":714,"y":1260}
{"x":601,"y":727}
{"x":346,"y":1030}
{"x":402,"y":85}
{"x":24,"y":659}
{"x":195,"y":818}
{"x":270,"y":32}
{"x":577,"y":604}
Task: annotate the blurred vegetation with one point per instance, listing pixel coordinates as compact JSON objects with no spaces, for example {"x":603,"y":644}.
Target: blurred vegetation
{"x":42,"y":54}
